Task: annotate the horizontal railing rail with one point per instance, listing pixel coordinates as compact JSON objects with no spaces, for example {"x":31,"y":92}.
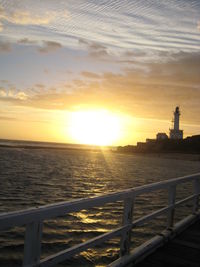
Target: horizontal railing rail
{"x":33,"y":219}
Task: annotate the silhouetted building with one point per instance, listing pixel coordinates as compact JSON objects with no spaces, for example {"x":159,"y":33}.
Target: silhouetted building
{"x":176,"y":133}
{"x":161,"y":136}
{"x":149,"y":140}
{"x":193,"y":138}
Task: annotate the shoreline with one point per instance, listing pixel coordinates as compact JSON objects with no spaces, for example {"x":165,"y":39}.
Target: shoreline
{"x":166,"y":155}
{"x":50,"y":148}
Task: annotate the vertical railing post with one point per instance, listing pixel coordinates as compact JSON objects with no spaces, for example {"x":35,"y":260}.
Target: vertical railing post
{"x":171,"y":202}
{"x":127,"y":220}
{"x":196,"y":189}
{"x":32,"y":244}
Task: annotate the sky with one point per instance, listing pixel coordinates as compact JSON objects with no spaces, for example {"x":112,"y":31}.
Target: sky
{"x":133,"y":60}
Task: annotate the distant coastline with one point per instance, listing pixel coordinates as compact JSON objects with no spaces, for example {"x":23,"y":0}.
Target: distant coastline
{"x":45,"y":147}
{"x":166,"y":155}
{"x":188,"y":148}
{"x":36,"y":145}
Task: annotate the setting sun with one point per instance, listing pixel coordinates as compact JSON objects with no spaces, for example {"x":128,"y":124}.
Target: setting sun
{"x":98,"y":127}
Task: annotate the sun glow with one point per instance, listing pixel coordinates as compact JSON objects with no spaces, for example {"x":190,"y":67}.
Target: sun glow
{"x":98,"y":127}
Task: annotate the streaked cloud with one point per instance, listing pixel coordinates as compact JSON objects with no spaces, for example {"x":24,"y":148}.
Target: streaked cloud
{"x":115,"y":26}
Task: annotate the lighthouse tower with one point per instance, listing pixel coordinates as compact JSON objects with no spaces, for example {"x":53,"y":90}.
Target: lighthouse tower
{"x":176,"y":133}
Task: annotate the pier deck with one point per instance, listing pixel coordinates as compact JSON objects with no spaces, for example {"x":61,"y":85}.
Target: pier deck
{"x":183,"y":250}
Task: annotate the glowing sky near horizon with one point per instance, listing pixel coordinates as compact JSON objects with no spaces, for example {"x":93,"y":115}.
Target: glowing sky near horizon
{"x":135,"y":59}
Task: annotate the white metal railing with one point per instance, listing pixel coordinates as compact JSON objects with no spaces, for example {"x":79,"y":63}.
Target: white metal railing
{"x":33,"y":219}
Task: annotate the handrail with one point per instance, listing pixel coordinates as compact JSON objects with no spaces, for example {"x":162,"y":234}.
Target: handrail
{"x":33,"y":218}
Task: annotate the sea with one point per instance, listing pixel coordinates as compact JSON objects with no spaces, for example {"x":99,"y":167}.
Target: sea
{"x":36,"y":173}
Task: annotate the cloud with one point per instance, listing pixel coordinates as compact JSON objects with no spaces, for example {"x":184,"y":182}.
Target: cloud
{"x":25,"y":17}
{"x":26,"y":41}
{"x":4,"y":81}
{"x":95,"y":50}
{"x":49,"y":46}
{"x":2,"y":92}
{"x":40,"y":85}
{"x":151,"y":94}
{"x":5,"y":118}
{"x":5,"y":47}
{"x":198,"y":25}
{"x":1,"y":27}
{"x":11,"y":94}
{"x":90,"y":75}
{"x":131,"y":53}
{"x":181,"y":68}
{"x":21,"y":96}
{"x":44,"y":46}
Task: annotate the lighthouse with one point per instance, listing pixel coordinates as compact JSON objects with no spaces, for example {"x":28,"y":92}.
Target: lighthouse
{"x":176,"y":133}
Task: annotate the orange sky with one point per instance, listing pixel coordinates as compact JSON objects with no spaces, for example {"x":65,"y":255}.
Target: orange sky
{"x":62,"y":58}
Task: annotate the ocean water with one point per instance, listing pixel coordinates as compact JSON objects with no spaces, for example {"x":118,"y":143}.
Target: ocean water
{"x":34,"y":177}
